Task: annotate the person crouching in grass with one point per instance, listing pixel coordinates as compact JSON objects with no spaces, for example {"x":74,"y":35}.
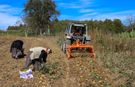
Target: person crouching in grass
{"x":36,"y":56}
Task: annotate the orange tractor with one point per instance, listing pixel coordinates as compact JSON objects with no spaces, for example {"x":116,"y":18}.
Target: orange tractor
{"x":77,"y":40}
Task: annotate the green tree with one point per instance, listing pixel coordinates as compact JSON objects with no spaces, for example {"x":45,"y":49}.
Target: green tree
{"x":118,"y":26}
{"x":108,"y":25}
{"x":39,"y":14}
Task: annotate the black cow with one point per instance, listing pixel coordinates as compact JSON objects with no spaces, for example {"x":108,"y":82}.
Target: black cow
{"x":16,"y":49}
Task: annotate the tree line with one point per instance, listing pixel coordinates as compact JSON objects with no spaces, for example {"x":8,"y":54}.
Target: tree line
{"x":107,"y":25}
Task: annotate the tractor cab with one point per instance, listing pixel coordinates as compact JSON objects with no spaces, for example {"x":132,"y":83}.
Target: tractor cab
{"x":76,"y":31}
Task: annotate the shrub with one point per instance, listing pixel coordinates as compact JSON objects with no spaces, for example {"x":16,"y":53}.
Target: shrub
{"x":53,"y":70}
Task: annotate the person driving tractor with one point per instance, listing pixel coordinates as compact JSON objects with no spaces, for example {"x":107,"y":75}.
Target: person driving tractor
{"x":77,"y":31}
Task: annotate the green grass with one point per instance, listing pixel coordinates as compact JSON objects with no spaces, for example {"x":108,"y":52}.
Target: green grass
{"x":116,"y":52}
{"x":53,"y":70}
{"x":127,"y":34}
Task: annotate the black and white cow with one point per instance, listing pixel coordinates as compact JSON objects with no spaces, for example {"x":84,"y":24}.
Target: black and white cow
{"x":16,"y":49}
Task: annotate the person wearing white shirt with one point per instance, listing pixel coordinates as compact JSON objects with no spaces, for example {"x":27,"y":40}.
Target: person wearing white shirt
{"x":36,"y":56}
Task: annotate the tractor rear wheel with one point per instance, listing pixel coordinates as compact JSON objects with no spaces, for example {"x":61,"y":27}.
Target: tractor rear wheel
{"x":63,"y":47}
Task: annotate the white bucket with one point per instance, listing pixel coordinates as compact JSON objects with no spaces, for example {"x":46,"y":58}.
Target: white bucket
{"x":26,"y":74}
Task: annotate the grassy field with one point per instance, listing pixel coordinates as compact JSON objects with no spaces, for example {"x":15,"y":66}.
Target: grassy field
{"x":116,"y":52}
{"x":114,"y":66}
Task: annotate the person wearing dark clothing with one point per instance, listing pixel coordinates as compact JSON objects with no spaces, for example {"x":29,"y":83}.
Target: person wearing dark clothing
{"x":16,"y":49}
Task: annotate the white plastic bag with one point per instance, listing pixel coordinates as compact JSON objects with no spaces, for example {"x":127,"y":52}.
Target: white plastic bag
{"x":26,"y":74}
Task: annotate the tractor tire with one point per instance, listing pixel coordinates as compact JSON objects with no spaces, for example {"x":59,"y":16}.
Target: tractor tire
{"x":61,"y":46}
{"x":88,"y":43}
{"x":68,"y":42}
{"x":64,"y":47}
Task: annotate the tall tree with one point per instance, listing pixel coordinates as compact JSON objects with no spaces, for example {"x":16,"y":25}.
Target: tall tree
{"x":131,"y":22}
{"x":118,"y":26}
{"x":108,"y":25}
{"x":39,"y":14}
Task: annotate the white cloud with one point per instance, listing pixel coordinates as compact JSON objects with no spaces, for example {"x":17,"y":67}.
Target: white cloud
{"x":86,"y":2}
{"x":101,"y":16}
{"x":86,"y":10}
{"x":8,"y":9}
{"x":75,"y":5}
{"x":8,"y":16}
{"x":120,"y":15}
{"x":88,"y":16}
{"x":67,"y":17}
{"x":7,"y":20}
{"x":70,"y":5}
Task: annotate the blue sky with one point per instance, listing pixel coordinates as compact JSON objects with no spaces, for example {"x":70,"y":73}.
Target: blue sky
{"x":11,"y":10}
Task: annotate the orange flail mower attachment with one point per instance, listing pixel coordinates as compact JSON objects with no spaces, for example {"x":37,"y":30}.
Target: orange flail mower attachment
{"x":77,"y":45}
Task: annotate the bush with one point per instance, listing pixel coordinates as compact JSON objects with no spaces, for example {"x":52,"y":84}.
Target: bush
{"x":53,"y":70}
{"x":127,"y":35}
